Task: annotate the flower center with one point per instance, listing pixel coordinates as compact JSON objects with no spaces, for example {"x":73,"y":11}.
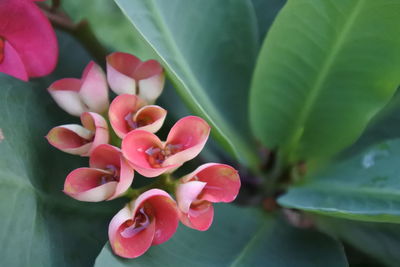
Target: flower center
{"x":2,"y":44}
{"x":112,"y":177}
{"x":138,"y":224}
{"x":157,"y":156}
{"x":140,"y":122}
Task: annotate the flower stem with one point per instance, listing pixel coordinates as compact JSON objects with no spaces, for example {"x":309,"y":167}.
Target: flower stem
{"x":165,"y":182}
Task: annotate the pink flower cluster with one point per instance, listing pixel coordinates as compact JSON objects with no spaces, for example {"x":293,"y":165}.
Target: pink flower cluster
{"x":119,"y":139}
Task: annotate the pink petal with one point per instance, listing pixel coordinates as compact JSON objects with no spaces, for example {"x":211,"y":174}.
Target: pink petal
{"x":151,"y":80}
{"x":134,"y":246}
{"x":134,"y":147}
{"x":105,"y":156}
{"x":95,"y":122}
{"x":120,"y":70}
{"x":30,"y":33}
{"x":200,"y":216}
{"x":125,"y":179}
{"x":191,"y":133}
{"x":188,"y":192}
{"x":94,"y":90}
{"x":120,"y":108}
{"x":84,"y":184}
{"x":71,"y":138}
{"x":222,"y":182}
{"x":66,"y":94}
{"x":12,"y":63}
{"x":166,"y":217}
{"x":152,"y":117}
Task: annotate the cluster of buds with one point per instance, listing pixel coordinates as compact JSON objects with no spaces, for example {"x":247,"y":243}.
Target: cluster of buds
{"x":119,"y":139}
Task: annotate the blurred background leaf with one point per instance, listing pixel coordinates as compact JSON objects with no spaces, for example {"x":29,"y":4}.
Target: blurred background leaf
{"x":325,"y":69}
{"x":378,"y":240}
{"x":238,"y":237}
{"x":365,"y":187}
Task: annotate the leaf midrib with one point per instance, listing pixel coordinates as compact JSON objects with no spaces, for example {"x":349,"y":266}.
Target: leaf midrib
{"x":318,"y":83}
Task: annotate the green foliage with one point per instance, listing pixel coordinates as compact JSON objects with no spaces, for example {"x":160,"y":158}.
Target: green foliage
{"x":239,"y":237}
{"x":325,"y":69}
{"x":365,"y":187}
{"x":378,"y":240}
{"x":39,"y":225}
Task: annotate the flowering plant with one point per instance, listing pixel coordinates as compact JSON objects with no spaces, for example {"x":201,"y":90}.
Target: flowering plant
{"x":204,"y":133}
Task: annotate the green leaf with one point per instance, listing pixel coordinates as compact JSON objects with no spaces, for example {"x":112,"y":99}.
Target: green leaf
{"x":365,"y":187}
{"x":325,"y":69}
{"x":109,"y":24}
{"x":208,"y":49}
{"x":39,"y":225}
{"x":378,"y":240}
{"x":238,"y":237}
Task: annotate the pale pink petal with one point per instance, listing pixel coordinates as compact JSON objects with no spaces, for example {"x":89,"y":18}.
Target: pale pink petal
{"x":66,"y":94}
{"x":151,"y":80}
{"x":120,"y":108}
{"x":12,"y":63}
{"x":70,"y":138}
{"x":94,"y":90}
{"x":30,"y":33}
{"x":125,"y":178}
{"x":98,"y":124}
{"x":134,"y":147}
{"x":222,"y":182}
{"x":200,"y":216}
{"x":152,"y":117}
{"x":120,"y":70}
{"x":188,"y":192}
{"x":129,"y":247}
{"x":191,"y":133}
{"x":85,"y":184}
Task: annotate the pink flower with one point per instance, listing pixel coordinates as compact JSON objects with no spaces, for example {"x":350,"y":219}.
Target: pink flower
{"x":209,"y":183}
{"x":78,"y":140}
{"x":127,"y":74}
{"x":28,"y":44}
{"x":149,"y":220}
{"x":76,"y":96}
{"x":129,"y":112}
{"x":151,"y":157}
{"x":108,"y":177}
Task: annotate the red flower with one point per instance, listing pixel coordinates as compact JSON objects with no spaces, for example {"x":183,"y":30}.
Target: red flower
{"x":28,"y":44}
{"x":151,"y":157}
{"x":108,"y":177}
{"x":149,"y":220}
{"x":209,"y":183}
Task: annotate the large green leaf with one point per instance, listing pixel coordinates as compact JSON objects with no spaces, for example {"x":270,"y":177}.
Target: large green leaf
{"x":325,"y":68}
{"x":39,"y":225}
{"x":365,"y":187}
{"x":378,"y":240}
{"x":238,"y":237}
{"x":208,"y":49}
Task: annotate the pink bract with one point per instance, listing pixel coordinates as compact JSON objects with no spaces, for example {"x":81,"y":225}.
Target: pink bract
{"x":209,"y":183}
{"x":149,"y":220}
{"x":90,"y":93}
{"x":28,"y":44}
{"x":151,"y":157}
{"x":129,"y":112}
{"x":80,"y":140}
{"x":108,"y":177}
{"x":127,"y":74}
